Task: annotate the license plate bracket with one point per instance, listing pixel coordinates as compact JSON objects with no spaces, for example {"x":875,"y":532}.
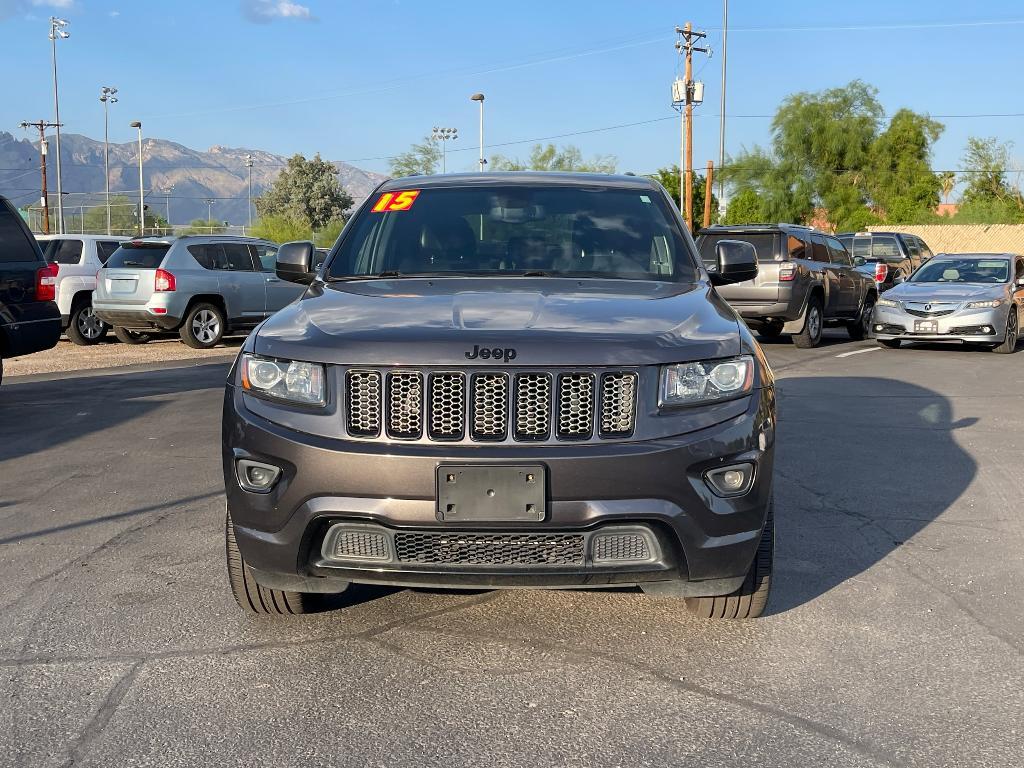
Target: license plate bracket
{"x":491,"y":493}
{"x":926,"y":326}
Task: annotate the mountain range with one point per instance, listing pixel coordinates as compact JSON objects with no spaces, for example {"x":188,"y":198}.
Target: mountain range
{"x":172,"y":173}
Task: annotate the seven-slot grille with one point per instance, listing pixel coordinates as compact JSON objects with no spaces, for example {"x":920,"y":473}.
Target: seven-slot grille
{"x":490,"y":405}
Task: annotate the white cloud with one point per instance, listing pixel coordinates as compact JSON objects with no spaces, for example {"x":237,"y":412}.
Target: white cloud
{"x":65,"y":4}
{"x":114,"y":14}
{"x":9,"y":8}
{"x":263,"y":11}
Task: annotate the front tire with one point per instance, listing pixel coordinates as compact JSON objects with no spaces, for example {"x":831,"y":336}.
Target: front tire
{"x":249,"y":595}
{"x":750,"y":600}
{"x":1009,"y":345}
{"x":814,"y":322}
{"x":203,"y":327}
{"x":131,"y":337}
{"x":860,"y":328}
{"x":84,"y":327}
{"x":888,"y":343}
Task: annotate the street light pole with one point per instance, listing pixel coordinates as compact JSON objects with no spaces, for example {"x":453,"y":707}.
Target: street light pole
{"x":167,"y":200}
{"x":209,"y":213}
{"x":107,"y":97}
{"x":248,"y":165}
{"x":443,"y":135}
{"x":721,"y":119}
{"x":142,"y":188}
{"x":57,"y":30}
{"x":479,"y":97}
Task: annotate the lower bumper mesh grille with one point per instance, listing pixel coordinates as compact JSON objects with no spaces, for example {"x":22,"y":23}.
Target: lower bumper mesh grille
{"x":485,"y":549}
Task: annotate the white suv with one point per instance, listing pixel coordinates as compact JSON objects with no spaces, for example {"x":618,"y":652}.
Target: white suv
{"x":80,"y":257}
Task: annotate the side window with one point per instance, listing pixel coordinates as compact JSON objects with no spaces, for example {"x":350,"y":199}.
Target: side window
{"x":912,"y":248}
{"x":798,"y":249}
{"x":65,"y":252}
{"x":104,"y":249}
{"x":209,"y":256}
{"x":266,"y":256}
{"x":14,"y":242}
{"x":926,"y":252}
{"x":838,"y":252}
{"x":239,"y":258}
{"x":1020,"y":269}
{"x":819,"y":249}
{"x":885,"y":247}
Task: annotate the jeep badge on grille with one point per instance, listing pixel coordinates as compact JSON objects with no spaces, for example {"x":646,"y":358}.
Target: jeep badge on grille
{"x":496,"y":353}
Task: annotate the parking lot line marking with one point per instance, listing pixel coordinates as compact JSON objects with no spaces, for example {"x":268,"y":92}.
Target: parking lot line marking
{"x":859,"y":351}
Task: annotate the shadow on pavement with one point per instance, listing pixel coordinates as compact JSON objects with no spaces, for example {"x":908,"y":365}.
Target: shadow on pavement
{"x":39,"y":415}
{"x":863,"y":464}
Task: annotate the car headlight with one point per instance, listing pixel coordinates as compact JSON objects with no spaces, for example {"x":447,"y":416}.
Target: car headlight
{"x":706,"y":382}
{"x":887,"y":303}
{"x":285,"y":380}
{"x":992,"y":304}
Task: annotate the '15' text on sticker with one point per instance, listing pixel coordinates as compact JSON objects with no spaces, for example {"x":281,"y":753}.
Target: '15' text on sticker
{"x":396,"y":201}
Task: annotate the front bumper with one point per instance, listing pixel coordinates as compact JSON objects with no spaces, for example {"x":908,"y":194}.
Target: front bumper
{"x":135,"y":319}
{"x":699,"y":543}
{"x":962,"y":325}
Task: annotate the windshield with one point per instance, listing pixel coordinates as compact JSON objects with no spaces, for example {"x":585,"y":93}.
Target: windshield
{"x":138,"y":255}
{"x":516,"y":229}
{"x":963,"y":271}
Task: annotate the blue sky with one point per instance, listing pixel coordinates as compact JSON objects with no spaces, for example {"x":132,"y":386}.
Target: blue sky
{"x":359,"y":81}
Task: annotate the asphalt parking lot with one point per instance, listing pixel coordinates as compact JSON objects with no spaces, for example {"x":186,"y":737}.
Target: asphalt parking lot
{"x":894,"y":634}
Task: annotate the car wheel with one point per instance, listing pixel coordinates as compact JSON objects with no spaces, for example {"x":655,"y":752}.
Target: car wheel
{"x":750,"y":600}
{"x":1009,"y":345}
{"x":810,"y":336}
{"x":251,"y":596}
{"x":131,"y":337}
{"x":770,"y":330}
{"x":203,"y":327}
{"x":84,"y":326}
{"x":860,"y":328}
{"x":888,"y":343}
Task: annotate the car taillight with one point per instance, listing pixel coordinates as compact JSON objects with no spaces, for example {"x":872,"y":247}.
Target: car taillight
{"x":163,"y":281}
{"x":881,"y":271}
{"x":787,"y":272}
{"x":46,"y":283}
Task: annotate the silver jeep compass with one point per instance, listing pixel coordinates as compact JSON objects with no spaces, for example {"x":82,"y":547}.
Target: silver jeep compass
{"x":504,"y":380}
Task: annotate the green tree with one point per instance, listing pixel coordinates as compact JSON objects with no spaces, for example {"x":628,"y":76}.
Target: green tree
{"x":551,"y":158}
{"x":900,"y":181}
{"x":746,"y":207}
{"x":203,"y":227}
{"x":326,"y":237}
{"x":124,"y":218}
{"x":421,"y":159}
{"x":947,"y":182}
{"x":307,"y":192}
{"x":669,"y":179}
{"x":985,"y":162}
{"x":281,"y":229}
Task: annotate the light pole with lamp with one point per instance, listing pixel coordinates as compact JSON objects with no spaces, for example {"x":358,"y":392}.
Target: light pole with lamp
{"x":142,"y":189}
{"x":479,"y":97}
{"x":209,"y":213}
{"x":167,"y":200}
{"x":107,"y":97}
{"x":444,"y":135}
{"x":248,"y":165}
{"x":57,"y":30}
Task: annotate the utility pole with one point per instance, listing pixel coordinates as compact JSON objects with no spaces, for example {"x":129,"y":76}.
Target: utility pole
{"x":248,"y":165}
{"x":41,"y":126}
{"x":707,"y":193}
{"x":721,"y":117}
{"x":58,"y":32}
{"x":693,"y":93}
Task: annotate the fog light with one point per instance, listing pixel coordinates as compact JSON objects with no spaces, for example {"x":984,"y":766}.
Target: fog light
{"x":257,"y":477}
{"x":986,"y":329}
{"x":879,"y":328}
{"x":733,"y":480}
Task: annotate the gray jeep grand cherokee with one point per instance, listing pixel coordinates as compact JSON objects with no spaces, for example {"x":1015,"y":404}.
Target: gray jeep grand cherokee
{"x":504,"y":380}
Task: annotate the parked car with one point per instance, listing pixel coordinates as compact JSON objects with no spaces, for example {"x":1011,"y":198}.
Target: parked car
{"x":889,"y":254}
{"x":504,"y":380}
{"x":202,"y":286}
{"x":320,"y":257}
{"x":805,"y":281}
{"x":963,"y":298}
{"x":79,"y":258}
{"x":29,"y":318}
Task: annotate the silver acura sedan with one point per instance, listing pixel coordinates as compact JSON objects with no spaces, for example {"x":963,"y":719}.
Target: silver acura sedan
{"x":966,"y":298}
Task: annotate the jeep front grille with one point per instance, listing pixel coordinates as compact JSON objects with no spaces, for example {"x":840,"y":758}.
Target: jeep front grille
{"x":490,"y":549}
{"x":490,"y":405}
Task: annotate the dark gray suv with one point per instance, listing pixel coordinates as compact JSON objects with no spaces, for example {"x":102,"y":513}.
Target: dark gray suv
{"x":504,"y":380}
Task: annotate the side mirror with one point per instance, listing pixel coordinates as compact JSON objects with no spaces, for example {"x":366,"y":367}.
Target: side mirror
{"x":295,"y":262}
{"x":859,"y":261}
{"x":1020,"y":282}
{"x":735,"y":261}
{"x":898,"y":279}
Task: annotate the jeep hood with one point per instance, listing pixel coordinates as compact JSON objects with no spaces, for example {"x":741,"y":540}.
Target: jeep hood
{"x":547,"y":321}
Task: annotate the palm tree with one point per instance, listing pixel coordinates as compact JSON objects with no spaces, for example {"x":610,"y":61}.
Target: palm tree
{"x":947,"y":180}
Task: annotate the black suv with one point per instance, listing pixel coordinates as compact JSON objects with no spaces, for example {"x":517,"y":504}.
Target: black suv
{"x":29,"y":318}
{"x":504,"y":380}
{"x":805,"y":281}
{"x":886,"y":256}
